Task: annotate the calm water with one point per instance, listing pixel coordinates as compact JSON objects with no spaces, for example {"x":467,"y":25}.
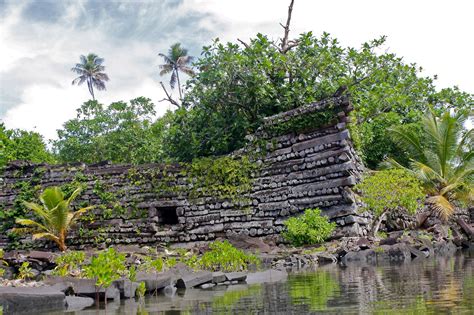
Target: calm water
{"x":441,"y":286}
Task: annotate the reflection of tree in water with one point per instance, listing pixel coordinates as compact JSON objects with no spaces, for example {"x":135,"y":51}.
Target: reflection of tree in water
{"x":314,"y":289}
{"x":432,"y":286}
{"x":226,"y":302}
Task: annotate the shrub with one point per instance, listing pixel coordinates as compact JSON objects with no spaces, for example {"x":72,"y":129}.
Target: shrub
{"x":105,"y":268}
{"x":141,"y":290}
{"x":2,"y":262}
{"x":389,"y":190}
{"x":309,"y":228}
{"x":225,"y":257}
{"x":68,"y":263}
{"x":25,"y":271}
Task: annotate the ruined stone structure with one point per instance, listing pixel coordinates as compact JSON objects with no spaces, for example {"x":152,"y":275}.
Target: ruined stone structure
{"x":300,"y":159}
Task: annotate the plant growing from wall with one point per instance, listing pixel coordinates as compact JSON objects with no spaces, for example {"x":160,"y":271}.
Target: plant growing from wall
{"x":69,"y":263}
{"x":105,"y":268}
{"x":25,"y":272}
{"x":2,"y":262}
{"x":309,"y":228}
{"x":223,"y":177}
{"x":54,"y":214}
{"x":389,"y":190}
{"x":222,"y":256}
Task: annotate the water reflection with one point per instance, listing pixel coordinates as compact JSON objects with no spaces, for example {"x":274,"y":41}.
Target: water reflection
{"x":441,"y":286}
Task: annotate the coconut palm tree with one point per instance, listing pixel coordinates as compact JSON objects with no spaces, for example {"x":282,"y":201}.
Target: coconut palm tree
{"x":55,"y":216}
{"x":441,"y":157}
{"x":90,"y":70}
{"x":177,"y":60}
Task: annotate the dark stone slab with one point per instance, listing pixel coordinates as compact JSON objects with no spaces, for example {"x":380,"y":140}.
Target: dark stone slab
{"x":194,"y":279}
{"x":236,"y":276}
{"x":154,"y":282}
{"x":77,"y":303}
{"x":31,"y":300}
{"x":218,"y":277}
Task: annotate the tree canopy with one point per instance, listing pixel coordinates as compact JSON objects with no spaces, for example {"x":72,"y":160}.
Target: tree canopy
{"x":121,"y":132}
{"x":16,"y":144}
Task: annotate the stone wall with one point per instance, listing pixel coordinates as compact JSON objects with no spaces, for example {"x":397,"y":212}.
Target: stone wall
{"x":154,"y":203}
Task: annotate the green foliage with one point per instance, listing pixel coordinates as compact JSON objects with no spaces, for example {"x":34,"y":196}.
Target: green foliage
{"x":26,"y":192}
{"x":222,"y":256}
{"x":55,"y":217}
{"x":223,"y":177}
{"x":141,"y":290}
{"x":152,"y":264}
{"x":106,"y":267}
{"x":305,"y":123}
{"x":314,"y":290}
{"x":441,"y":157}
{"x":132,"y":273}
{"x":16,"y":144}
{"x":309,"y":228}
{"x":121,"y":133}
{"x":389,"y":190}
{"x":69,"y":263}
{"x":25,"y":271}
{"x":2,"y":262}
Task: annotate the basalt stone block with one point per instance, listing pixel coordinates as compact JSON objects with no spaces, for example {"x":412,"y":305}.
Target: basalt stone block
{"x":194,"y":279}
{"x":218,"y":277}
{"x":236,"y":276}
{"x":77,"y":303}
{"x":31,"y":300}
{"x":154,"y":282}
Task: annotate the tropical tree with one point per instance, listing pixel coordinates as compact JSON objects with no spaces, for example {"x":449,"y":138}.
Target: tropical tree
{"x":177,"y":60}
{"x":441,"y":157}
{"x":91,"y":70}
{"x":55,"y":216}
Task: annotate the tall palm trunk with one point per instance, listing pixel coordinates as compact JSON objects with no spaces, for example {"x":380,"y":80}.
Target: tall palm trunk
{"x":91,"y":88}
{"x":179,"y":84}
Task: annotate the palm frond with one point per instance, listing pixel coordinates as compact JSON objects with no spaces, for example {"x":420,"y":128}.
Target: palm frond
{"x":47,"y":235}
{"x":189,"y":71}
{"x":441,"y":205}
{"x":28,"y":222}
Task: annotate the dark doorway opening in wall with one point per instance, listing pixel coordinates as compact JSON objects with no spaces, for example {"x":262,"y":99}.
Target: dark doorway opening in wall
{"x":167,"y":215}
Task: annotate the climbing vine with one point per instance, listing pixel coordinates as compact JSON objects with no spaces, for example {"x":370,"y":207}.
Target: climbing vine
{"x":224,"y":177}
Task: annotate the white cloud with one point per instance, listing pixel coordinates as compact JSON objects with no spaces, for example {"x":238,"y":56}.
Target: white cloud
{"x":36,"y":60}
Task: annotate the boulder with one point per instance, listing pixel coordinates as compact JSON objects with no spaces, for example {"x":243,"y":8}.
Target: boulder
{"x":362,"y":256}
{"x":326,"y":258}
{"x":194,"y":279}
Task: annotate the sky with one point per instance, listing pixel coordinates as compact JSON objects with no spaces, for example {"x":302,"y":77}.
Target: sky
{"x":41,"y":41}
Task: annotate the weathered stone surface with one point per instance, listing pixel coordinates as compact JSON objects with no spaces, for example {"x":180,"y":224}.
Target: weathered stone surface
{"x":154,"y":282}
{"x":236,"y":276}
{"x":77,"y":303}
{"x":218,"y":277}
{"x":309,"y":169}
{"x":41,"y":299}
{"x":194,"y":279}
